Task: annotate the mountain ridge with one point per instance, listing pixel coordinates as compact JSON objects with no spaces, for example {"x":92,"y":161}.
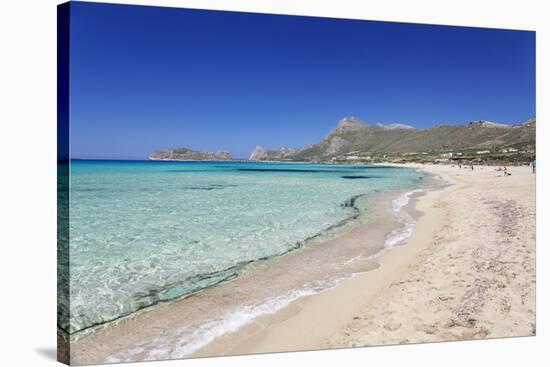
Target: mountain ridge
{"x":352,"y":134}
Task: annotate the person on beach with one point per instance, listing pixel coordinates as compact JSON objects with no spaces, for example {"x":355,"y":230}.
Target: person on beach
{"x":472,"y":167}
{"x":534,"y":165}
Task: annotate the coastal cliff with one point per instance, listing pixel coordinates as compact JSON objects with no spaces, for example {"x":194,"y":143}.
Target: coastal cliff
{"x":262,"y":154}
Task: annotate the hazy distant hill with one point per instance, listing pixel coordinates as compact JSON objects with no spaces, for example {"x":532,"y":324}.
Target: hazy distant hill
{"x":185,"y":154}
{"x":353,"y":135}
{"x":262,"y":154}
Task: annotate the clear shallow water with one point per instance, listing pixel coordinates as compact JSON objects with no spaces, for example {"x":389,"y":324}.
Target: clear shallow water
{"x":143,"y":232}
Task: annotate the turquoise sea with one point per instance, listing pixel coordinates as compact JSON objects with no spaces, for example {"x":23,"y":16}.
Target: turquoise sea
{"x":142,"y":232}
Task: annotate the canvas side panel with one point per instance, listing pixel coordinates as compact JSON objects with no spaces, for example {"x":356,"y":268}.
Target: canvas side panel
{"x":63,"y":179}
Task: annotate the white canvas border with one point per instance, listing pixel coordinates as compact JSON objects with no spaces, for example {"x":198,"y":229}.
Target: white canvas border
{"x":28,"y":120}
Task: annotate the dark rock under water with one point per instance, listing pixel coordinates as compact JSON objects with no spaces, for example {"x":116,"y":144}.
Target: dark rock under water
{"x":356,"y":177}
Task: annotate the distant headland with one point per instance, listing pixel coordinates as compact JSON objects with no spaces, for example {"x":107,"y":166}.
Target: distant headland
{"x":353,"y":140}
{"x":185,"y":154}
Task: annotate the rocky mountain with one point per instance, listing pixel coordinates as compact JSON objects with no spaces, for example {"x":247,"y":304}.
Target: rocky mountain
{"x":185,"y":154}
{"x":262,"y":154}
{"x":483,"y":123}
{"x":354,"y":136}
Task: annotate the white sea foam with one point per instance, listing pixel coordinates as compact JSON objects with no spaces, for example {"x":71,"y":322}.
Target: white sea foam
{"x":404,"y":218}
{"x":193,"y":338}
{"x":234,"y":320}
{"x":407,"y":223}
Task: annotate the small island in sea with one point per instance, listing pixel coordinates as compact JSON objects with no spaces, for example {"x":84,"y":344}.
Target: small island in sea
{"x":214,"y":200}
{"x":185,"y":154}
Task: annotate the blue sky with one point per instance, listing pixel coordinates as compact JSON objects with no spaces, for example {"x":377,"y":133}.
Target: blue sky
{"x":145,"y":78}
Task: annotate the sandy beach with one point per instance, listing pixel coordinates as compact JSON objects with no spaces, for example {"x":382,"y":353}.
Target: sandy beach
{"x":474,"y":279}
{"x":467,"y":272}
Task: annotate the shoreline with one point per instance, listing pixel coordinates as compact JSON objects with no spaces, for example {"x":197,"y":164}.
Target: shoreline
{"x":435,"y":287}
{"x":303,"y":324}
{"x":178,"y":328}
